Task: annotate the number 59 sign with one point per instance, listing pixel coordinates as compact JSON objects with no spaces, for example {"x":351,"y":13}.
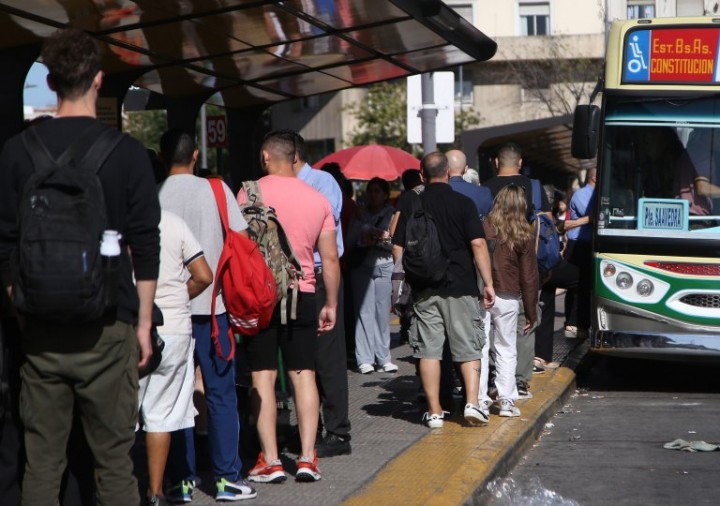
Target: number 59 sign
{"x":216,"y":131}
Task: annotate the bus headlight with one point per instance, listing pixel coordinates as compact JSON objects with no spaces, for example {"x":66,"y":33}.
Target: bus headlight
{"x":609,"y":270}
{"x":629,"y":285}
{"x":624,"y":280}
{"x":645,"y":288}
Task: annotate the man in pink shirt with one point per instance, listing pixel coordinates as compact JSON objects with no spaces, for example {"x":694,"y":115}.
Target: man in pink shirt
{"x":306,"y":217}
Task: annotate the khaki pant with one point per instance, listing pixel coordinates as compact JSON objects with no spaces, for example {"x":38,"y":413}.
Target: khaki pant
{"x":93,"y":371}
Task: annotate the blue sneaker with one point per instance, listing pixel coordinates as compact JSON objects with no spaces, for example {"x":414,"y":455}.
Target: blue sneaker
{"x":234,"y":490}
{"x":180,"y":493}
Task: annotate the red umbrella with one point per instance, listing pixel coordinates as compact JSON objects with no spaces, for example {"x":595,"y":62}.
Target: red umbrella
{"x":373,"y":160}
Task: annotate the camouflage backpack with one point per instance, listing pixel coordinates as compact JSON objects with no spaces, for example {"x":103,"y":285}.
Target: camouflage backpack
{"x":265,"y":229}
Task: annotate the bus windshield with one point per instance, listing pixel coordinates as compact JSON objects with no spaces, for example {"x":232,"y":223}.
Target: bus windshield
{"x":660,"y":173}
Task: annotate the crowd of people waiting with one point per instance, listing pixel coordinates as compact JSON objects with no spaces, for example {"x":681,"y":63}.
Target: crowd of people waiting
{"x":87,"y":374}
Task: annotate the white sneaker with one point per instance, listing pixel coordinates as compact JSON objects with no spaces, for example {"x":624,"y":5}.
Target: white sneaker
{"x":388,"y":367}
{"x":474,"y":415}
{"x":508,"y":408}
{"x":485,"y":405}
{"x":434,"y":421}
{"x":366,"y":368}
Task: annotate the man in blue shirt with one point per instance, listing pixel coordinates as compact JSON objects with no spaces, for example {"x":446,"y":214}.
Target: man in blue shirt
{"x":579,"y":251}
{"x":481,"y":196}
{"x":331,"y":359}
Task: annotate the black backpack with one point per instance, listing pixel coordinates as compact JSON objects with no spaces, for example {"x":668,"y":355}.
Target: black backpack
{"x":423,"y":259}
{"x":62,"y":216}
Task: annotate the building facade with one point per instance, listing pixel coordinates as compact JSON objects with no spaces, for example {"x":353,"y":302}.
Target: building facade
{"x":549,"y":57}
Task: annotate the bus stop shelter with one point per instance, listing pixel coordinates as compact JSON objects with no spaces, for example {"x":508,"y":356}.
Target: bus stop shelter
{"x":244,"y":55}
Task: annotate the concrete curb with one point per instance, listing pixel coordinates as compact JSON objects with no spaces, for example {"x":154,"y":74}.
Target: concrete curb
{"x":454,"y":465}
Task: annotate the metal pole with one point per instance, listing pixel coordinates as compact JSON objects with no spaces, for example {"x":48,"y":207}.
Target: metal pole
{"x":428,"y":113}
{"x":203,"y":138}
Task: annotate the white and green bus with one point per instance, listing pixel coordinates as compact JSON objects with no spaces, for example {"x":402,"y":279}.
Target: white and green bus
{"x":656,"y":241}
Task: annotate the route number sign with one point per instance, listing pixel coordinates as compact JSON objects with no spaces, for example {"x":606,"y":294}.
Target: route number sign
{"x":217,"y":136}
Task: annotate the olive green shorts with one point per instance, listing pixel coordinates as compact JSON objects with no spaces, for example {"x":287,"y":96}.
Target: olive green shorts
{"x":458,"y":318}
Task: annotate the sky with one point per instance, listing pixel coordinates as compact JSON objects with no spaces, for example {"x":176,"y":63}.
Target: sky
{"x":36,"y":93}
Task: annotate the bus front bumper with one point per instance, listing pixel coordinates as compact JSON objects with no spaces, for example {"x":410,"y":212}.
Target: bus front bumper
{"x":627,"y":331}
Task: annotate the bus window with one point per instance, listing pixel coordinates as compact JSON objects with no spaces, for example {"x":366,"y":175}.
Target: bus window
{"x":661,"y":150}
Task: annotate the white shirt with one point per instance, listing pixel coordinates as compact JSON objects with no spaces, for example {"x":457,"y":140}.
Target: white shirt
{"x":178,"y":249}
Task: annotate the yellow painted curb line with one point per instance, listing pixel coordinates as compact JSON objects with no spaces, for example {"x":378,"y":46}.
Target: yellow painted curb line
{"x":448,"y":465}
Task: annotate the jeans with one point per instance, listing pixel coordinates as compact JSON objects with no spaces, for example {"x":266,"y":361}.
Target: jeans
{"x":221,"y":396}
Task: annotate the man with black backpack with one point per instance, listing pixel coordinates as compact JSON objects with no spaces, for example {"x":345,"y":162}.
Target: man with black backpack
{"x":83,"y":347}
{"x":442,"y":242}
{"x":509,"y":163}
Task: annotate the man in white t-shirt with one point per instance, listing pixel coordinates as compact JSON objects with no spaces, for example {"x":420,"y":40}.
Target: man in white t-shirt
{"x":192,"y":198}
{"x":166,"y":395}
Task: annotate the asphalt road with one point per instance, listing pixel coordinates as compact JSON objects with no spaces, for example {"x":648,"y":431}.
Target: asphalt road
{"x":605,"y":447}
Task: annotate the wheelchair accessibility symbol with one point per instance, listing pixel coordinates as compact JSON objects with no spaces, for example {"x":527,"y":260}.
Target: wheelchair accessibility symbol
{"x":637,"y":62}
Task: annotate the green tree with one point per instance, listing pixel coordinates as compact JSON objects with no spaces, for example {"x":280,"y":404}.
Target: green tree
{"x":146,"y":126}
{"x":381,"y":116}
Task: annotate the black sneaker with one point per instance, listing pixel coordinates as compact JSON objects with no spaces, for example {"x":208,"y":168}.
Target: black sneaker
{"x":333,"y":445}
{"x":538,"y":369}
{"x":523,"y":390}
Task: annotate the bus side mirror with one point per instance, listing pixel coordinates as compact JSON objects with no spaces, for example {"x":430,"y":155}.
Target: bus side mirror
{"x":586,"y":124}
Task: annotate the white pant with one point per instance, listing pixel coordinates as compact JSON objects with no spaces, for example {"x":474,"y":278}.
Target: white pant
{"x":165,"y":396}
{"x":504,"y":317}
{"x":485,"y":360}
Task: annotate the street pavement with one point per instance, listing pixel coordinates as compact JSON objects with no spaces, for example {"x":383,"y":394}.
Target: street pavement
{"x":396,"y":459}
{"x":605,"y":446}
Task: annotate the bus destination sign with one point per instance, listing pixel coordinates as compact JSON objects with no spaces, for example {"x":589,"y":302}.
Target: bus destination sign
{"x":677,"y":56}
{"x":663,"y":214}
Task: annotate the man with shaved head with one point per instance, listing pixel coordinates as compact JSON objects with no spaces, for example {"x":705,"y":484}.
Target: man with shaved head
{"x":448,"y":309}
{"x":481,"y":196}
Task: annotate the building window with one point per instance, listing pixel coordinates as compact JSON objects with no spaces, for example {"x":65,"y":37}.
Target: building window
{"x":465,"y":9}
{"x":534,"y":18}
{"x":637,"y":9}
{"x":463,"y":86}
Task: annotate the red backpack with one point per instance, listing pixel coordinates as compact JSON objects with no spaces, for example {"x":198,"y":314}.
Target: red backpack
{"x":247,"y":284}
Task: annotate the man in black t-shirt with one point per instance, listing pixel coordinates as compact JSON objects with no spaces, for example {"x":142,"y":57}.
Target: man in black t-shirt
{"x":450,"y":308}
{"x":89,"y":368}
{"x":509,"y":162}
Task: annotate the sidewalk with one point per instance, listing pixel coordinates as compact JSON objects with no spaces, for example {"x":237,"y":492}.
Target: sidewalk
{"x":395,"y":458}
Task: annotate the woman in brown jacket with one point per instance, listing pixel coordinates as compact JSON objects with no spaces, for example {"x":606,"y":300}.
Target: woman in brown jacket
{"x":515,"y":276}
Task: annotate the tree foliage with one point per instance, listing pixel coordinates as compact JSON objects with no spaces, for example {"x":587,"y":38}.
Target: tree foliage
{"x":381,"y":116}
{"x":146,"y":126}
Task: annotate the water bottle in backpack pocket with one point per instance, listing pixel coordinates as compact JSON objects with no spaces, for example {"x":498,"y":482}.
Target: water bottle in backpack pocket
{"x":110,"y":253}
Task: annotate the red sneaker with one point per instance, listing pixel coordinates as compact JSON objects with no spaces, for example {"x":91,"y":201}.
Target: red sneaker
{"x":264,"y":472}
{"x":307,"y":469}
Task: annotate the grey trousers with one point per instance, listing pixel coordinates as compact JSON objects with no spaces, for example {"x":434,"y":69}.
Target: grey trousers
{"x":372,"y":292}
{"x":525,"y":347}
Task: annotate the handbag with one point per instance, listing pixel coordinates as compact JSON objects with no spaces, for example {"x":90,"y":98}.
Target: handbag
{"x":158,"y":345}
{"x":401,"y":291}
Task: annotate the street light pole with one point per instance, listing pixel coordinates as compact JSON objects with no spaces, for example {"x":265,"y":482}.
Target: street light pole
{"x":428,"y":113}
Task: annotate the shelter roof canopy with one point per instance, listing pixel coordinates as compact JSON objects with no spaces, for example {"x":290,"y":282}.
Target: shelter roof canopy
{"x":241,"y":53}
